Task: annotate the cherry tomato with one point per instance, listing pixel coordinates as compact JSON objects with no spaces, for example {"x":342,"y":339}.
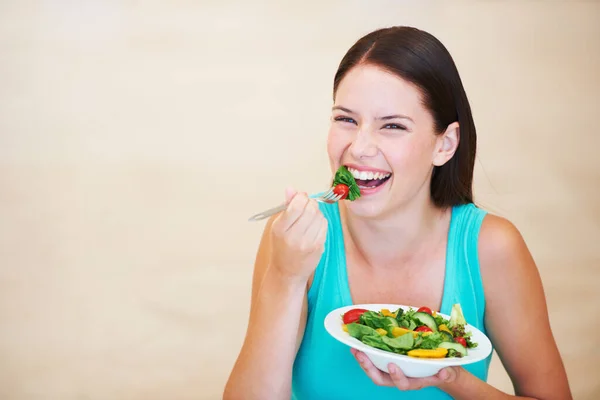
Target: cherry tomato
{"x":461,"y":340}
{"x":423,"y":329}
{"x":341,"y":190}
{"x":353,"y":315}
{"x":425,"y":310}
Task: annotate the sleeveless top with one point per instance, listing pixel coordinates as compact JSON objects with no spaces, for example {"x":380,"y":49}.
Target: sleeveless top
{"x":324,"y":369}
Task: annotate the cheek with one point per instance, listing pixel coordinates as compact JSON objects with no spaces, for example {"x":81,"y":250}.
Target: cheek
{"x":337,"y":142}
{"x":411,"y":155}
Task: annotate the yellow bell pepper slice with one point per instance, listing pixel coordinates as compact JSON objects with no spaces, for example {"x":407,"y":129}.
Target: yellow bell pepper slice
{"x":381,"y":331}
{"x":443,"y":327}
{"x":345,"y":328}
{"x":387,"y":313}
{"x":428,"y":353}
{"x":397,"y":331}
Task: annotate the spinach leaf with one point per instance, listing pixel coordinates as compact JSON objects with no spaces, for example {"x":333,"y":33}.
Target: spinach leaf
{"x":408,"y":320}
{"x":373,"y":319}
{"x":344,"y":176}
{"x":404,"y":342}
{"x":389,"y":323}
{"x":376,"y":341}
{"x":431,"y":341}
{"x":359,"y":331}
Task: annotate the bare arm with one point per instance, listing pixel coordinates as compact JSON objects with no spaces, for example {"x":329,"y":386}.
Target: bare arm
{"x":278,"y":309}
{"x":516,"y":320}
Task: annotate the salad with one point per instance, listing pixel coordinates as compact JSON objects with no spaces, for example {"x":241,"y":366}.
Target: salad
{"x":345,"y":185}
{"x":418,"y":333}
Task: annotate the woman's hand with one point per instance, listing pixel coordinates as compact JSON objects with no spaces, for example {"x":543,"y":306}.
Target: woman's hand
{"x":298,"y":237}
{"x":398,"y":379}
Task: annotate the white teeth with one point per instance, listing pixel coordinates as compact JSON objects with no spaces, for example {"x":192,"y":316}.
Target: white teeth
{"x":367,"y":175}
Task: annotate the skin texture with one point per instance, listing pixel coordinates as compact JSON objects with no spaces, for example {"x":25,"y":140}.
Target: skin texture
{"x":395,"y":233}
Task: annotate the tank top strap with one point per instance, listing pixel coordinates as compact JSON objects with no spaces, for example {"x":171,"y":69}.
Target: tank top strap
{"x":334,"y":252}
{"x":462,"y":283}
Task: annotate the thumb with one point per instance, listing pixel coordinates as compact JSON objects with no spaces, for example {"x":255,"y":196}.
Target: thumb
{"x":290,"y":192}
{"x":448,"y":374}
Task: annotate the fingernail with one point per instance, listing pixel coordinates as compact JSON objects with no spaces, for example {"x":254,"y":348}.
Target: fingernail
{"x":393,"y":369}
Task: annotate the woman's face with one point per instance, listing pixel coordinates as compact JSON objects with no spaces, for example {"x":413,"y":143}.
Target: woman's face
{"x":383,"y":134}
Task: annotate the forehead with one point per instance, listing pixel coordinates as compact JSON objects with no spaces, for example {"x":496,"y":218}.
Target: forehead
{"x":372,"y":90}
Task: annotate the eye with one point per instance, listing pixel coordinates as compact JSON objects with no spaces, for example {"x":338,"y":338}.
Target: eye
{"x":394,"y":126}
{"x":345,"y":119}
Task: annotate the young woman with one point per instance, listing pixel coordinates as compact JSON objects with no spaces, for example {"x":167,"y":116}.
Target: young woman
{"x":402,"y":124}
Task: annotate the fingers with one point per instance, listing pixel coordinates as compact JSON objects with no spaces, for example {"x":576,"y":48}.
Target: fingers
{"x":400,"y":380}
{"x":403,"y":382}
{"x":302,"y":224}
{"x":308,"y":223}
{"x":449,"y":374}
{"x":290,"y":192}
{"x":314,"y":231}
{"x":293,"y":212}
{"x":377,"y":376}
{"x":309,"y":215}
{"x":397,"y":378}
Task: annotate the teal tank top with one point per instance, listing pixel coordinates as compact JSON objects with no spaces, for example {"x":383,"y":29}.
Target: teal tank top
{"x":324,"y":369}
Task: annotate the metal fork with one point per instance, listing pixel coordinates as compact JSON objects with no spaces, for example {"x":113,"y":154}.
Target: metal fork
{"x":327,"y":197}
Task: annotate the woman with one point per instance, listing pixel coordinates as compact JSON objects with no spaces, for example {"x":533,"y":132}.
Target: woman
{"x":413,"y":237}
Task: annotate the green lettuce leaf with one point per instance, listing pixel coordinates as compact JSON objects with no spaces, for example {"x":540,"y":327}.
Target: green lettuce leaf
{"x":404,"y":342}
{"x":359,"y":331}
{"x":373,"y":319}
{"x":376,"y":341}
{"x":431,"y":341}
{"x":408,"y":320}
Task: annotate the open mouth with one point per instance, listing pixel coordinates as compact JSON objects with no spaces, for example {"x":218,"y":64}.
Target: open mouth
{"x":369,"y":179}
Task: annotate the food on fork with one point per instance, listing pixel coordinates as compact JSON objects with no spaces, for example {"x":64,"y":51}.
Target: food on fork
{"x":345,"y":185}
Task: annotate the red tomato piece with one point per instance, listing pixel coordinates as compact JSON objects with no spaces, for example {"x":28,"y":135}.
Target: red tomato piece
{"x":461,"y":340}
{"x":423,"y":329}
{"x":341,"y":190}
{"x":353,"y":315}
{"x":425,"y":310}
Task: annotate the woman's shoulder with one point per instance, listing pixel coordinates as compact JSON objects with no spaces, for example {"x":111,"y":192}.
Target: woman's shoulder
{"x":498,"y":236}
{"x":502,"y":248}
{"x":498,"y":241}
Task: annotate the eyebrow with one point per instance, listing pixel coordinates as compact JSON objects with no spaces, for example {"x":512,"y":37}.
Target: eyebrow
{"x":387,"y":117}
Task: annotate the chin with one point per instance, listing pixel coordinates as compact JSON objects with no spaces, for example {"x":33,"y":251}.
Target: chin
{"x":366,"y":207}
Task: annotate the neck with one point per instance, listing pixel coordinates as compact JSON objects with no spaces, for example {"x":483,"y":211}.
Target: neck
{"x":397,"y":238}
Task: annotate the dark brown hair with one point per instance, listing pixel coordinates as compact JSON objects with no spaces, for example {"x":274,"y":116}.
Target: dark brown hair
{"x":420,"y":58}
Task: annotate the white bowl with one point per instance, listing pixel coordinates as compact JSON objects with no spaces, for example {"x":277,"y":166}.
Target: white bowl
{"x":410,"y":366}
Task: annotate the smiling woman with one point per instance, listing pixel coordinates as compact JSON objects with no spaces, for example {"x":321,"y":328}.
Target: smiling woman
{"x":402,"y":126}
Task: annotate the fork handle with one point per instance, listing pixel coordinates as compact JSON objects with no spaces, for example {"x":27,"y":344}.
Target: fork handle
{"x":268,"y":213}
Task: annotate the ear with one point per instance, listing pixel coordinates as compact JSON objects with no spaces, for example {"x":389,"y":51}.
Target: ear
{"x":446,"y":145}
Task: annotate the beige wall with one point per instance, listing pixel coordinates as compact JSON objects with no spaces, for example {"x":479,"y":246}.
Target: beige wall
{"x":132,"y":136}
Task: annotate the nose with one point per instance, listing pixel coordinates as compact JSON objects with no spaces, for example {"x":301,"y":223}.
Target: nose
{"x":363,"y":145}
